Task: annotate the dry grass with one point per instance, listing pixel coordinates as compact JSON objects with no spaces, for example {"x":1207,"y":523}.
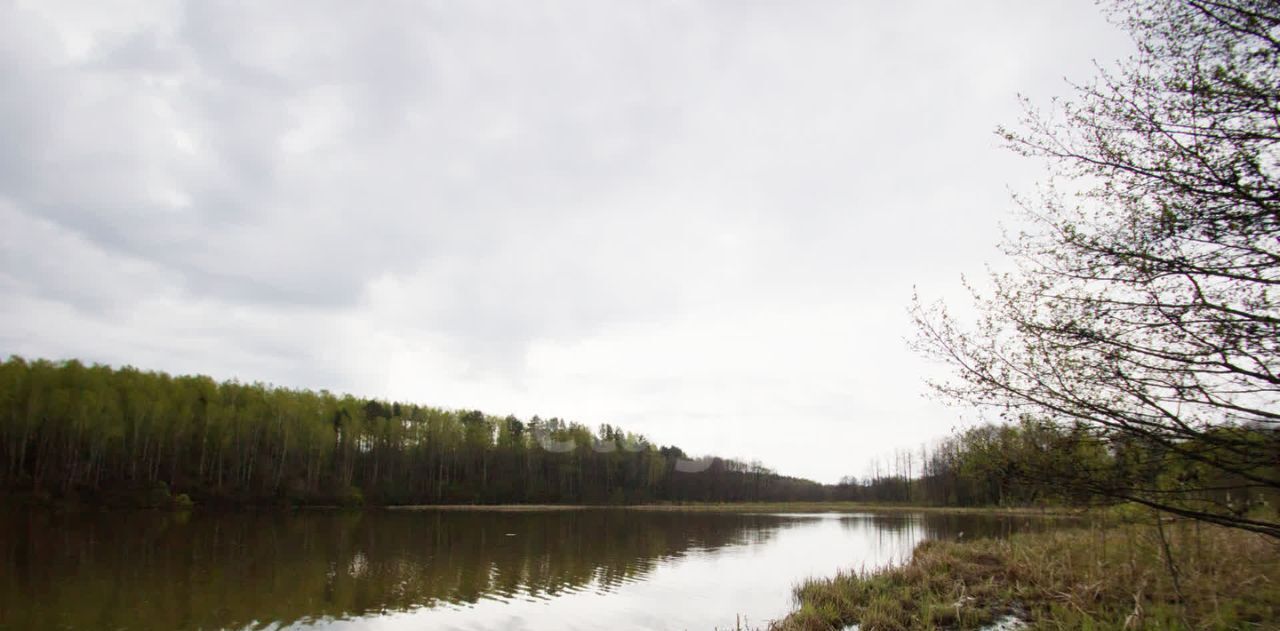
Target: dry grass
{"x":1114,"y":577}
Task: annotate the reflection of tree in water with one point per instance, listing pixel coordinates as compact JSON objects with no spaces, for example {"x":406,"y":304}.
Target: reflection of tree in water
{"x":891,"y":530}
{"x":138,"y":570}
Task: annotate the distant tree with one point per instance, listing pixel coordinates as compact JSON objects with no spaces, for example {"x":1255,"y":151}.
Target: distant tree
{"x":1143,"y":306}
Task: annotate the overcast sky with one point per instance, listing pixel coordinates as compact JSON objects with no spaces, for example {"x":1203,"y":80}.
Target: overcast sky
{"x":701,"y":221}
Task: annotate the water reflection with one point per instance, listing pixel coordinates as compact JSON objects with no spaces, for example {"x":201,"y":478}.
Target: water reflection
{"x":948,"y":526}
{"x":393,"y":569}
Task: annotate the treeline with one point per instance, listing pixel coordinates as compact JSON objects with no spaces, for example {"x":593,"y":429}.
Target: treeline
{"x":1038,"y":462}
{"x":130,"y":436}
{"x":986,"y":465}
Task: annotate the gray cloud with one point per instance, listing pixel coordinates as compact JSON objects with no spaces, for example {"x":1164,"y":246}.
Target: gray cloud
{"x":701,"y":220}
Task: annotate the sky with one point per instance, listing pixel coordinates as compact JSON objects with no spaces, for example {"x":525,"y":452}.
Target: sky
{"x":701,"y":221}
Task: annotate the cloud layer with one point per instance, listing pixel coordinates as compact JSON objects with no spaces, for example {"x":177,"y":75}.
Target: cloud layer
{"x":701,"y":221}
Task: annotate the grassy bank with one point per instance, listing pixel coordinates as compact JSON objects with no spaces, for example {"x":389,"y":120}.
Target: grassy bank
{"x":1114,"y":577}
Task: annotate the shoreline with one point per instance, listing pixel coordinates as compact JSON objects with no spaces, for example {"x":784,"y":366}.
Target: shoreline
{"x":492,"y":508}
{"x":755,"y":507}
{"x":183,"y":502}
{"x":861,"y":507}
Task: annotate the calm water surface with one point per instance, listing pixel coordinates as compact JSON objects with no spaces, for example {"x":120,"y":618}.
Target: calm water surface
{"x":581,"y":569}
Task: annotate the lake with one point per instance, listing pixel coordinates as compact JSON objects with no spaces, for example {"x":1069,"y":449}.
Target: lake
{"x":438,"y":569}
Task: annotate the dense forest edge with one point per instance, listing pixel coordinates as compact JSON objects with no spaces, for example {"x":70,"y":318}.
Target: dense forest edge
{"x":73,"y":433}
{"x":126,"y":437}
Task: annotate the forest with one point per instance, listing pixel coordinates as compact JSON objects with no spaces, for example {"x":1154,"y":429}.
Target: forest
{"x":1040,"y":463}
{"x":128,"y":437}
{"x":132,"y":437}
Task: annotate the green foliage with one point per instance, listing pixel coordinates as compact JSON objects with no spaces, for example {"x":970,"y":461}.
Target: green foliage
{"x":1035,"y":463}
{"x":126,"y":437}
{"x":350,"y":496}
